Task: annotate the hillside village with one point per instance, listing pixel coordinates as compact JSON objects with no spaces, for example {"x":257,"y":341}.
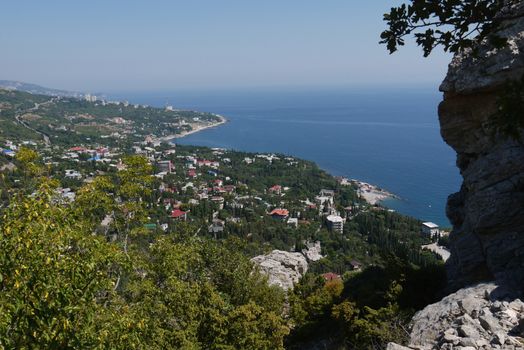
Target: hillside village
{"x":302,"y":228}
{"x":284,"y":202}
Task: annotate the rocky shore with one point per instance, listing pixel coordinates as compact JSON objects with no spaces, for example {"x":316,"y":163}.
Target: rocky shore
{"x":371,"y":193}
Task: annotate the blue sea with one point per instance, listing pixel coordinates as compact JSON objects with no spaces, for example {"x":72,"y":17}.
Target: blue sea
{"x":387,"y":137}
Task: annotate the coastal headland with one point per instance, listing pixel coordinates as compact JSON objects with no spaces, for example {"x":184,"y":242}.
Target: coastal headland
{"x":196,"y":127}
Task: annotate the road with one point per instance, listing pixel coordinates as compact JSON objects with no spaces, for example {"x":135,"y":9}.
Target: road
{"x":440,"y":250}
{"x":32,"y":109}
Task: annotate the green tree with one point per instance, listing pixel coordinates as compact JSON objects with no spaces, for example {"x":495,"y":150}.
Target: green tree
{"x":56,"y":279}
{"x":452,"y":24}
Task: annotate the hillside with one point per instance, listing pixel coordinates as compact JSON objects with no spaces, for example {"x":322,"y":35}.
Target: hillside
{"x":37,"y":89}
{"x":106,"y":228}
{"x":64,"y":120}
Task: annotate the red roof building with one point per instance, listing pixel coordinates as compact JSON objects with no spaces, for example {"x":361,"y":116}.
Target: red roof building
{"x":77,"y":149}
{"x":330,"y":276}
{"x":178,"y":214}
{"x":279,"y":213}
{"x":276,"y":189}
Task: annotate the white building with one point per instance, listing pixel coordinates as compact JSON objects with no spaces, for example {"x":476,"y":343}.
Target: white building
{"x":293,"y":222}
{"x":430,"y":229}
{"x":90,"y":98}
{"x":335,"y":223}
{"x":73,"y":174}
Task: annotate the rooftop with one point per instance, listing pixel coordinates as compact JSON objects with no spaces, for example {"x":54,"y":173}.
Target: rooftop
{"x":430,"y":224}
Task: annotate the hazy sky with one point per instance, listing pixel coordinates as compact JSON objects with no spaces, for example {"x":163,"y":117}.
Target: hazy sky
{"x":160,"y":45}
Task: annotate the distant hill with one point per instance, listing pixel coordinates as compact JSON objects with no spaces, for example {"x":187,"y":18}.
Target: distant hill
{"x":37,"y":89}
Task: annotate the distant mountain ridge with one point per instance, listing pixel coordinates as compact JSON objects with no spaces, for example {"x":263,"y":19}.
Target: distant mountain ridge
{"x":37,"y":89}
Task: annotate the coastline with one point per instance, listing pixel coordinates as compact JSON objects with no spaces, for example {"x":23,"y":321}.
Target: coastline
{"x":194,"y":129}
{"x":371,"y":193}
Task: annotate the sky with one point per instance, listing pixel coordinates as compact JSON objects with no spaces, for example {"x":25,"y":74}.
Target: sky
{"x":155,"y":45}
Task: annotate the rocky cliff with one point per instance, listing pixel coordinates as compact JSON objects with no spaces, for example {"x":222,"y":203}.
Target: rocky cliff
{"x":487,"y":241}
{"x":283,"y":269}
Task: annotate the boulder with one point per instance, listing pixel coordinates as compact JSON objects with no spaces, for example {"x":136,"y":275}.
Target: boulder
{"x":312,"y":251}
{"x":283,"y":269}
{"x":448,"y":325}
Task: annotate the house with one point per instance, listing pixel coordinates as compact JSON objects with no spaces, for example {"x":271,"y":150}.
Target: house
{"x":330,"y":276}
{"x":66,"y":195}
{"x":217,"y":226}
{"x":178,"y":214}
{"x":165,"y":166}
{"x":8,"y":152}
{"x":279,"y":214}
{"x":95,"y":158}
{"x":218,"y":200}
{"x":202,"y":195}
{"x":191,"y":173}
{"x":324,"y":200}
{"x":73,"y":174}
{"x":277,"y":189}
{"x":77,"y":149}
{"x":343,"y":181}
{"x":335,"y":223}
{"x":327,"y":193}
{"x":218,"y":182}
{"x":430,"y":229}
{"x":208,"y":163}
{"x":293,"y":222}
{"x":355,"y":265}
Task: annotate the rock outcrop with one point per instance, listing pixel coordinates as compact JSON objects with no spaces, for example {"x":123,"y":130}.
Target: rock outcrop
{"x":283,"y":269}
{"x":487,"y":241}
{"x":485,"y":316}
{"x":312,"y":251}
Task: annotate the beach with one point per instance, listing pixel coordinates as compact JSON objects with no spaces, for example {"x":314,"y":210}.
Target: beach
{"x":195,"y":127}
{"x":371,"y":193}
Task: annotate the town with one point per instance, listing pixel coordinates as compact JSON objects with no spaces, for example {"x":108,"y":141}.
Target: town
{"x":117,"y":170}
{"x":273,"y":202}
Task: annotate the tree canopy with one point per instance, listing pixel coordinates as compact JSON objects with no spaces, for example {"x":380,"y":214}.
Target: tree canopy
{"x":452,"y":24}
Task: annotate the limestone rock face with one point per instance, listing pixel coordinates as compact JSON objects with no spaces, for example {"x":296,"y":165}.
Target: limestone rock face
{"x":312,"y":252}
{"x":484,"y":316}
{"x":487,"y":241}
{"x":283,"y":269}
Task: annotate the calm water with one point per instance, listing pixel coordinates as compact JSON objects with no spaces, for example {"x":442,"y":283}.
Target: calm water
{"x":386,"y":137}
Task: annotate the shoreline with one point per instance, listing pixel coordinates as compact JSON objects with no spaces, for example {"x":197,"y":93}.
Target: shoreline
{"x":372,"y":193}
{"x":194,"y":129}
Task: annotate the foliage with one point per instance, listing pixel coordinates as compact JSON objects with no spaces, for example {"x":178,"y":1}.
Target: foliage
{"x":364,"y":310}
{"x":55,"y":278}
{"x":63,"y":287}
{"x":452,"y":24}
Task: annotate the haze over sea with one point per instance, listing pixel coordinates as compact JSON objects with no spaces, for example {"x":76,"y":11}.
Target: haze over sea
{"x":388,"y":136}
